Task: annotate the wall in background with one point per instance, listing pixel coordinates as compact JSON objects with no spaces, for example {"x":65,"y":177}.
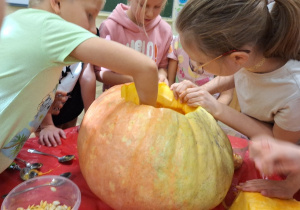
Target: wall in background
{"x":111,"y":4}
{"x":169,"y":14}
{"x":11,"y":9}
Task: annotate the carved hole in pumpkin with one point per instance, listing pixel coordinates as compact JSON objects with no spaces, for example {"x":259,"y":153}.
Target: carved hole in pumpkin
{"x":165,"y":98}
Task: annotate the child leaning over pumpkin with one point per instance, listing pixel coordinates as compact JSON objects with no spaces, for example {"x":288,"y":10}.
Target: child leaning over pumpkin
{"x":138,"y":26}
{"x":263,"y":54}
{"x":181,"y":68}
{"x":28,"y":78}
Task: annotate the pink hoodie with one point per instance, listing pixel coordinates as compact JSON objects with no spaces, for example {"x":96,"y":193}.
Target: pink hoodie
{"x":155,"y":44}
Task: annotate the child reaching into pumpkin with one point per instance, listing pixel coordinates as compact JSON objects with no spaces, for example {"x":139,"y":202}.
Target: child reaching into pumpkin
{"x":181,"y":68}
{"x":138,"y":26}
{"x":261,"y":49}
{"x":30,"y":70}
{"x":75,"y":92}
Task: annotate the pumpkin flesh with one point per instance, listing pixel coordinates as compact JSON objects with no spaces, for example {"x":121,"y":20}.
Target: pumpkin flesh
{"x":254,"y":201}
{"x":141,"y":157}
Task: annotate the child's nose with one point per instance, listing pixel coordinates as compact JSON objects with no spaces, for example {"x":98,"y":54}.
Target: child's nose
{"x":149,"y":13}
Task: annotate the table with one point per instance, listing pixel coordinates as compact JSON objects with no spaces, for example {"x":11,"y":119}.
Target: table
{"x":10,"y":178}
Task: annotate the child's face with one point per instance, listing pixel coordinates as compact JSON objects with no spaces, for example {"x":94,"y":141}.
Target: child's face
{"x":145,"y":13}
{"x":81,"y":12}
{"x":218,"y":65}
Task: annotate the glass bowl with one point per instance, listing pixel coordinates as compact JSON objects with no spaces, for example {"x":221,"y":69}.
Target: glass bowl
{"x":239,"y":148}
{"x":51,"y":188}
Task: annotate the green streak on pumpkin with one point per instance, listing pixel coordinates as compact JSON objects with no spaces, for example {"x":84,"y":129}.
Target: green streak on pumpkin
{"x":126,"y":141}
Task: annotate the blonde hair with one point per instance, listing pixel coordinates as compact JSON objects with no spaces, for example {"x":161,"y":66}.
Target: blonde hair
{"x":218,"y":26}
{"x":144,"y":6}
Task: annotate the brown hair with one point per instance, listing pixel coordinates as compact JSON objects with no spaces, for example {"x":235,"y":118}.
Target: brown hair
{"x":218,"y":26}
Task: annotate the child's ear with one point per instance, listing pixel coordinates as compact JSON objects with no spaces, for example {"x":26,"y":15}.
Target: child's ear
{"x":55,"y":4}
{"x":239,"y":58}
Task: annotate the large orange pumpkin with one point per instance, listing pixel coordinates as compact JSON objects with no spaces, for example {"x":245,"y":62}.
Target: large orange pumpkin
{"x":140,"y":157}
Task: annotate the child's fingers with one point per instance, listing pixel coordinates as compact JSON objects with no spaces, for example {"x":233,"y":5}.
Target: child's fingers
{"x":60,"y":94}
{"x":41,"y":142}
{"x":174,"y":89}
{"x":56,"y":139}
{"x":62,"y":134}
{"x":50,"y":141}
{"x":174,"y":85}
{"x":45,"y":141}
{"x":182,"y":97}
{"x":55,"y":110}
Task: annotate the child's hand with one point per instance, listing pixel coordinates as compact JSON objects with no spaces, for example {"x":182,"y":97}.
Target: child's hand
{"x":193,"y":95}
{"x":179,"y":88}
{"x":274,"y":156}
{"x":50,"y":136}
{"x":59,"y":101}
{"x":163,"y":78}
{"x":197,"y":97}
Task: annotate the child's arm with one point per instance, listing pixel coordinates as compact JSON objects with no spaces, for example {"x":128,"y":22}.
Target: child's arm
{"x":166,"y":48}
{"x":229,"y":116}
{"x":216,"y":85}
{"x":49,"y":134}
{"x":163,"y":64}
{"x":123,"y":60}
{"x":239,"y":121}
{"x":112,"y":78}
{"x":106,"y":76}
{"x":163,"y":75}
{"x":172,"y":70}
{"x":286,"y":126}
{"x":280,"y":133}
{"x":60,"y":99}
{"x":219,"y":84}
{"x":242,"y":123}
{"x":87,"y":82}
{"x":226,"y":97}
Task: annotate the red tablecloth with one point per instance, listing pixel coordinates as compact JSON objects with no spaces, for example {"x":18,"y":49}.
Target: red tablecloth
{"x":10,"y":178}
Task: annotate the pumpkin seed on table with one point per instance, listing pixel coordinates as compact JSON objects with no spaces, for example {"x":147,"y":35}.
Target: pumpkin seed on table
{"x":44,"y":205}
{"x":237,"y":160}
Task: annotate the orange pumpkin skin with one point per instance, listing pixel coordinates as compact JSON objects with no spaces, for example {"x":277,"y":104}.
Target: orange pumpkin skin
{"x":141,"y":157}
